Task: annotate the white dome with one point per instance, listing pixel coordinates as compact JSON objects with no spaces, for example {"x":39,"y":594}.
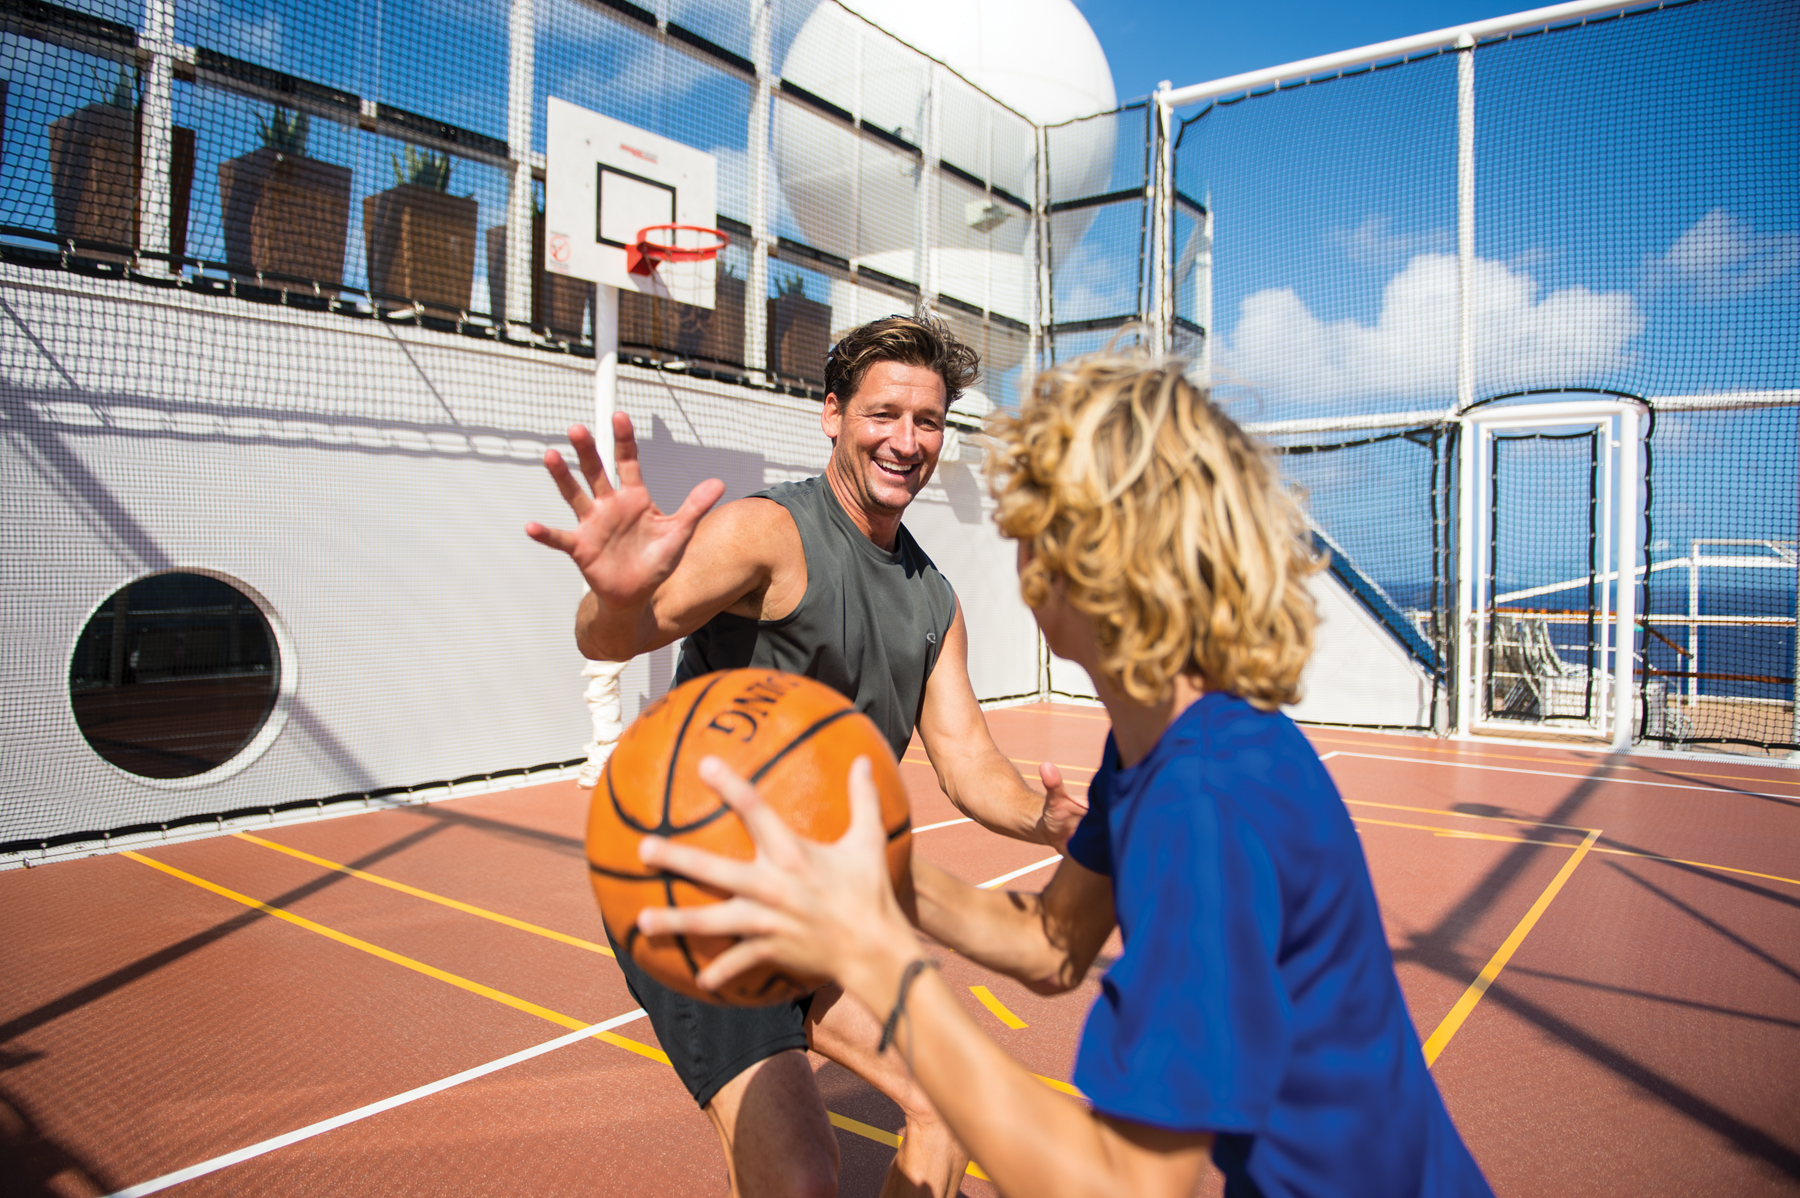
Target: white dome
{"x":1037,"y":56}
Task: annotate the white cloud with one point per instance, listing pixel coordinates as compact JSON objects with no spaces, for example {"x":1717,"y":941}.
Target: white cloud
{"x":1371,"y":243}
{"x":1719,"y":257}
{"x":1523,"y":337}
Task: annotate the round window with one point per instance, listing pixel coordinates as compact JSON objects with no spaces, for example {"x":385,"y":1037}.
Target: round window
{"x":174,"y":675}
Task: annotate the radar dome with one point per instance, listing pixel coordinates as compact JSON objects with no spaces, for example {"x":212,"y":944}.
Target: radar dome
{"x":1038,"y":57}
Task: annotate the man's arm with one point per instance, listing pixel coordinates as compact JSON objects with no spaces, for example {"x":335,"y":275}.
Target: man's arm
{"x":979,"y":779}
{"x":653,"y":577}
{"x":1045,"y":941}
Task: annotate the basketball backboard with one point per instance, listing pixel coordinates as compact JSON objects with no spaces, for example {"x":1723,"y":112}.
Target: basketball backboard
{"x":604,"y":181}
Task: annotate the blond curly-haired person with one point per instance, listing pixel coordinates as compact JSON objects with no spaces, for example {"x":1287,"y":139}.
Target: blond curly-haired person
{"x":1253,"y":1014}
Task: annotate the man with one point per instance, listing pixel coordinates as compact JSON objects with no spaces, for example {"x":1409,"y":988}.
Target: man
{"x":818,"y":578}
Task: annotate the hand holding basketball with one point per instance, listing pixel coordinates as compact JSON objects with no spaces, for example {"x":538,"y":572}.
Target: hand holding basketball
{"x":801,"y":906}
{"x":623,"y":544}
{"x":673,"y":777}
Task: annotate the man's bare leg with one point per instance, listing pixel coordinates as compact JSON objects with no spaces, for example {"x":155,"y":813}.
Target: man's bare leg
{"x":778,"y":1140}
{"x":930,"y":1162}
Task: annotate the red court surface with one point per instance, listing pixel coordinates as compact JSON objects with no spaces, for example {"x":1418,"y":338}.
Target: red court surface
{"x":1601,"y":953}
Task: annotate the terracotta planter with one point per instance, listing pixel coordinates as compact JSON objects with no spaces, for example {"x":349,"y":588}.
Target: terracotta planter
{"x":285,"y":214}
{"x":569,"y":298}
{"x":684,"y":330}
{"x":94,"y":180}
{"x":799,"y":337}
{"x":421,"y":246}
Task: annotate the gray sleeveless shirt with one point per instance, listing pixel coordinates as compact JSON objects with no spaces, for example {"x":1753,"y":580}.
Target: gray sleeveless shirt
{"x":870,"y":624}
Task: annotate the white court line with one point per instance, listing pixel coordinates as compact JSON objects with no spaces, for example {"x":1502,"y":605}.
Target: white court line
{"x":1508,"y":769}
{"x":375,"y":1108}
{"x":947,"y":823}
{"x":1018,"y":873}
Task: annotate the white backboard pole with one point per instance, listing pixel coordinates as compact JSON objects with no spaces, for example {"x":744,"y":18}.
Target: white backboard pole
{"x":606,"y":373}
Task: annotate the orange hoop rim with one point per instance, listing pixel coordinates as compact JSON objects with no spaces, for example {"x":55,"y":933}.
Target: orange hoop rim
{"x":663,"y":252}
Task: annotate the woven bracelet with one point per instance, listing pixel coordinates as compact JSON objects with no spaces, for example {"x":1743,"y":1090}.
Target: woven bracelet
{"x":910,"y":975}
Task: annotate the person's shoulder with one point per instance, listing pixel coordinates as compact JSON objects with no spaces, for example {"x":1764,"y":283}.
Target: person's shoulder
{"x":1229,"y":747}
{"x":794,"y":491}
{"x":757,"y":525}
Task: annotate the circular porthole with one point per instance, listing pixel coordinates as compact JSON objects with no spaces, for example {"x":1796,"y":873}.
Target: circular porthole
{"x":175,"y":675}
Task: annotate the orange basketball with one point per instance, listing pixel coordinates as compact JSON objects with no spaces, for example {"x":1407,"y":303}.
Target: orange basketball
{"x":795,"y":739}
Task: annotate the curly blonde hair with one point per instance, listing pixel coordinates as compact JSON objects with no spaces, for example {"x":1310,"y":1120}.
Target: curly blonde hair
{"x":1166,"y":525}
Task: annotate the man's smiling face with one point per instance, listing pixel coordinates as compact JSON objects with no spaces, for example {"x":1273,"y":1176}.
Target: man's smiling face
{"x":887,"y":437}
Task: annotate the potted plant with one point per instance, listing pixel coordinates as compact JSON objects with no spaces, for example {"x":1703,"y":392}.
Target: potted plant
{"x":94,"y":176}
{"x":420,"y":238}
{"x":568,"y":298}
{"x":713,"y":334}
{"x":284,"y":213}
{"x":799,"y":332}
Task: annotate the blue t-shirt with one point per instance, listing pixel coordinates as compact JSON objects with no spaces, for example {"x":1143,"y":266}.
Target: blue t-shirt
{"x":1256,"y":998}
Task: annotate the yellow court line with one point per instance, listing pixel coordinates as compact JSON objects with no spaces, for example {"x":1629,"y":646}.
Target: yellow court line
{"x":1065,"y":1087}
{"x":403,"y":888}
{"x":1440,"y":1038}
{"x":500,"y":996}
{"x":375,"y":950}
{"x":1730,"y":869}
{"x":993,"y":1004}
{"x":864,"y":1130}
{"x":1458,"y":833}
{"x":858,"y":1128}
{"x":1507,"y":819}
{"x":1473,"y":752}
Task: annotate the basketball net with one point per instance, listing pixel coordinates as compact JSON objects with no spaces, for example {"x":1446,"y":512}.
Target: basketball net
{"x":608,"y":713}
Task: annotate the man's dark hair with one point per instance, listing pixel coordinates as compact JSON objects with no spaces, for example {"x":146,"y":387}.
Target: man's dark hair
{"x":909,"y":340}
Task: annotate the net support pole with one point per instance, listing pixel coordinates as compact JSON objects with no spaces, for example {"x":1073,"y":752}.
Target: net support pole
{"x":155,"y":132}
{"x":606,"y":374}
{"x":520,"y":211}
{"x":1162,"y":200}
{"x":1468,"y":636}
{"x":929,"y":144}
{"x":1625,"y":634}
{"x":1203,"y":299}
{"x":756,"y":287}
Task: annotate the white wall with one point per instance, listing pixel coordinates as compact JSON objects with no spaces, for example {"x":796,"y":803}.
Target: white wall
{"x":370,"y":482}
{"x":1358,"y":673}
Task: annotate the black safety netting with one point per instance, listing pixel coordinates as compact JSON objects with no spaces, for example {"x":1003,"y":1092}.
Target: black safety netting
{"x":266,"y":356}
{"x":1634,"y":233}
{"x":1096,"y":234}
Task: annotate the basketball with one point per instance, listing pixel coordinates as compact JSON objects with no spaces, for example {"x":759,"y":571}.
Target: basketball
{"x":795,"y":740}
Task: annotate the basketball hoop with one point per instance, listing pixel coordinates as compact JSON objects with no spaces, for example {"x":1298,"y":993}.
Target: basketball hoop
{"x":644,"y":257}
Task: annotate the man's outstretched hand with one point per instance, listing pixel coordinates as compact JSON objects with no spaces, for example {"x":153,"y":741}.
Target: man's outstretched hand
{"x":623,"y":544}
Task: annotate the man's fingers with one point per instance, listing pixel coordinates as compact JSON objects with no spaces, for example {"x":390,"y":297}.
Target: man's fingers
{"x":571,"y":491}
{"x":555,"y":538}
{"x":727,"y":873}
{"x":699,"y":502}
{"x":625,"y":452}
{"x":588,"y":452}
{"x":1049,"y":775}
{"x":734,"y":917}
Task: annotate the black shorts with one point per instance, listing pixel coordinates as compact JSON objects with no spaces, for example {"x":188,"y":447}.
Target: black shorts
{"x":710,"y":1044}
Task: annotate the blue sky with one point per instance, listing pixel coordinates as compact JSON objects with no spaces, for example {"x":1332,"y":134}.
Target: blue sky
{"x":1189,"y":42}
